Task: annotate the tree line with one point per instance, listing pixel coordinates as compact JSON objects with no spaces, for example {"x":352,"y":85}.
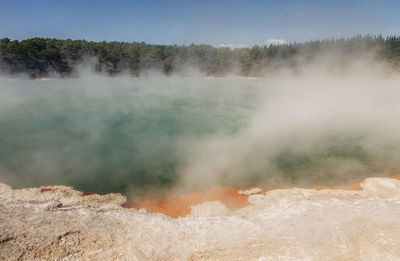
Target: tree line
{"x":44,"y":57}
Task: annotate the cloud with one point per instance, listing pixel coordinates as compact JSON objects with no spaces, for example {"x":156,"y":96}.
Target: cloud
{"x":273,"y":41}
{"x":232,"y":46}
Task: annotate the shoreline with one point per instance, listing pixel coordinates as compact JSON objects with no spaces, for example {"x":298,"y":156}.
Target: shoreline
{"x":58,"y":222}
{"x":233,"y":198}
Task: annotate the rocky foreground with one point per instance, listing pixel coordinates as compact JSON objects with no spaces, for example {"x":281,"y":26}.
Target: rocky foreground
{"x":59,"y":223}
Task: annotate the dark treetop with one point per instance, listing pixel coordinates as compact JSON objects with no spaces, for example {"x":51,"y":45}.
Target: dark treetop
{"x":43,"y":57}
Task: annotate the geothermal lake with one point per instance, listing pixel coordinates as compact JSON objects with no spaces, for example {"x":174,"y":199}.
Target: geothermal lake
{"x":135,"y":134}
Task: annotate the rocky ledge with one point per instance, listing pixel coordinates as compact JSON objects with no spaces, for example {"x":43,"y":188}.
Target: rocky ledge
{"x":59,"y":223}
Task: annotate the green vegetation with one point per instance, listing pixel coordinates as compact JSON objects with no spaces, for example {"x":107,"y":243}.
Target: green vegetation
{"x":40,"y":57}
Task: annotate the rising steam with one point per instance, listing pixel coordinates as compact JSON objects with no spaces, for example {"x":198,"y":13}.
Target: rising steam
{"x":319,"y":124}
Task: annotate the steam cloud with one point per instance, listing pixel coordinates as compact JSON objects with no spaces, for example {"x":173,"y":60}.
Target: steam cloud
{"x":315,"y":125}
{"x":327,"y":122}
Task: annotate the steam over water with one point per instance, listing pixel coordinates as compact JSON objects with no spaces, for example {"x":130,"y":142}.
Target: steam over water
{"x":109,"y":134}
{"x":131,"y":135}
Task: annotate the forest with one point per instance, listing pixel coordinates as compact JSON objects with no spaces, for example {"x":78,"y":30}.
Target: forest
{"x":45,"y":57}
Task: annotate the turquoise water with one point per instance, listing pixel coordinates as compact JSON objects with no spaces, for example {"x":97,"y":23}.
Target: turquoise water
{"x":106,"y":135}
{"x":115,"y":135}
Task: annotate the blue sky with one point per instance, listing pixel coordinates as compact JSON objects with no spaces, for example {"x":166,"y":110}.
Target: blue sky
{"x":208,"y":21}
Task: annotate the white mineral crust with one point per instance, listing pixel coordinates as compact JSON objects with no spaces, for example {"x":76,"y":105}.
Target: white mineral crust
{"x":289,"y":224}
